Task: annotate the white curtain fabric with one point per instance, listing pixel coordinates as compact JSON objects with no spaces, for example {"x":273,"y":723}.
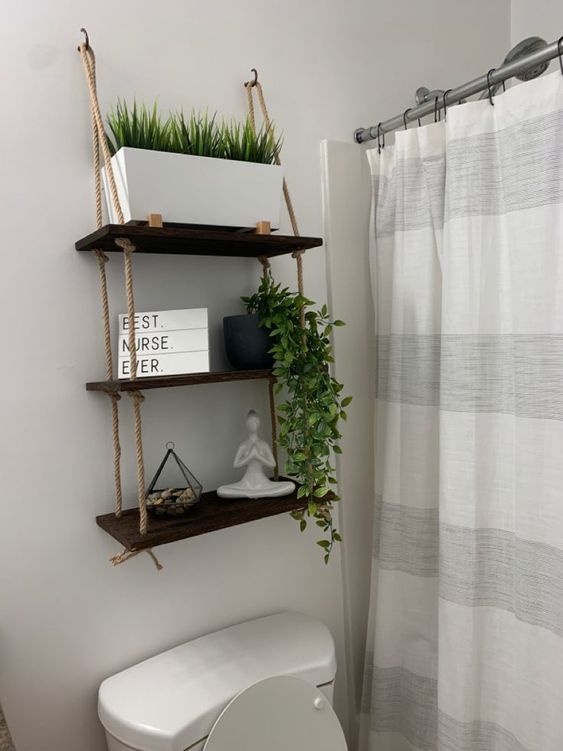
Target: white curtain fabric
{"x":465,"y":643}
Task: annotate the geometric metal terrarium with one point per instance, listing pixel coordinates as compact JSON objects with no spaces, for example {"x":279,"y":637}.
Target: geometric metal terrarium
{"x":176,"y":497}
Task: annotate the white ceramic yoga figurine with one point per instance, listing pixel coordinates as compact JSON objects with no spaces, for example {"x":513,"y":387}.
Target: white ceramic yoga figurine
{"x":255,"y":455}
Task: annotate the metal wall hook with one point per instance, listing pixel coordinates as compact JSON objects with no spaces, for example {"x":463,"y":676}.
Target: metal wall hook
{"x":489,"y":85}
{"x":380,"y":139}
{"x":405,"y":113}
{"x":86,"y":38}
{"x":255,"y":79}
{"x":560,"y":53}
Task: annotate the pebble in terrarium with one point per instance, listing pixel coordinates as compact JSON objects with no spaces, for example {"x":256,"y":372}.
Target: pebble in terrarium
{"x":178,"y":490}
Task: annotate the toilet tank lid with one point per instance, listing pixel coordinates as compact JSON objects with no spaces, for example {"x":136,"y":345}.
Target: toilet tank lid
{"x":170,"y":701}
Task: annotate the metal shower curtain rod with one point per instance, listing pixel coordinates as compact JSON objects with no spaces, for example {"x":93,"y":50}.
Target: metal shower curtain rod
{"x":494,"y":77}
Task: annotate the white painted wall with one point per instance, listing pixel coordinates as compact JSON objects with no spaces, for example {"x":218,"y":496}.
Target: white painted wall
{"x":67,"y":619}
{"x":543,"y":18}
{"x":346,"y":174}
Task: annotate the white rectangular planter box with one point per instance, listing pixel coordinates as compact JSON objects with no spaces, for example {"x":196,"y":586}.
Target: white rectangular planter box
{"x":194,"y":190}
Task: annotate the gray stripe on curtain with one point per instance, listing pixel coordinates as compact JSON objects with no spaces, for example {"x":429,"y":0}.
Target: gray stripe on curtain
{"x":495,"y":173}
{"x":490,"y":567}
{"x":403,"y":702}
{"x":476,"y":567}
{"x":406,"y":538}
{"x":512,"y":374}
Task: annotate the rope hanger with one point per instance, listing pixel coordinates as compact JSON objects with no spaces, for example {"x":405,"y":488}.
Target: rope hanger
{"x":99,"y":143}
{"x":297,"y":254}
{"x":100,"y":151}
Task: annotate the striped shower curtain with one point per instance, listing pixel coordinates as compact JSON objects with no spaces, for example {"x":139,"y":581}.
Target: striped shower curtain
{"x":465,"y":641}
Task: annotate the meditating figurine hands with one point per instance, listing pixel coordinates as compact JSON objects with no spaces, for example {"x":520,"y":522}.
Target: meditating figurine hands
{"x":255,"y":454}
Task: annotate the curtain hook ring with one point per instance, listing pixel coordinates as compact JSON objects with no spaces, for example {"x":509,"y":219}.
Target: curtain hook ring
{"x":405,"y":113}
{"x":444,"y":95}
{"x":489,"y":88}
{"x":436,"y":110}
{"x":380,"y":139}
{"x":560,"y":53}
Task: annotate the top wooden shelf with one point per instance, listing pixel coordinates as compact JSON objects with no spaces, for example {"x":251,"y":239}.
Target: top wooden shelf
{"x":179,"y":240}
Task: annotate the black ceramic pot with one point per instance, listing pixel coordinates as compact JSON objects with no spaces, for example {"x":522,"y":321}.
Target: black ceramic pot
{"x":246,"y":343}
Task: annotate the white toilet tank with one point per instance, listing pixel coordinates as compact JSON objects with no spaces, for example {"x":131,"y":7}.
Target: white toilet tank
{"x":171,"y":701}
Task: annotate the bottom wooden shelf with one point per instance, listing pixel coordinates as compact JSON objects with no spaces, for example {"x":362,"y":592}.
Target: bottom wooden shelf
{"x":209,"y":514}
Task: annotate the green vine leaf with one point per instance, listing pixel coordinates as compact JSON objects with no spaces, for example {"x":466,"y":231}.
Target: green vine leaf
{"x":311,"y":406}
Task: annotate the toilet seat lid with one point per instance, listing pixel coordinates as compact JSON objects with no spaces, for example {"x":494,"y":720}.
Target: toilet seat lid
{"x":277,"y":714}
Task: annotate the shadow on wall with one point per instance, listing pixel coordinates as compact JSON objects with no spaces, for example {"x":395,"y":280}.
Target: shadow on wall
{"x":5,"y":737}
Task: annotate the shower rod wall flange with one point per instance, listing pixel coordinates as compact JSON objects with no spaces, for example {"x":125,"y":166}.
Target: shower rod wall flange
{"x":516,"y":68}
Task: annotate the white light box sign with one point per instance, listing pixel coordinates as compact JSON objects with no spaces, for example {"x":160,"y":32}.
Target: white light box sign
{"x":168,"y":342}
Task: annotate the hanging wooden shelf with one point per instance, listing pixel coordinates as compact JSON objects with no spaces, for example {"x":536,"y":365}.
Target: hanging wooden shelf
{"x":210,"y":514}
{"x":181,"y":240}
{"x":188,"y":379}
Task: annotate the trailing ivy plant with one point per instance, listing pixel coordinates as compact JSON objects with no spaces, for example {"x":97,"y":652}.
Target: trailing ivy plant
{"x":197,"y":134}
{"x":313,"y":405}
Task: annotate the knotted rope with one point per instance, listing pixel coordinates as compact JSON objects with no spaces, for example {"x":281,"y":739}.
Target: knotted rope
{"x":137,"y":399}
{"x":136,"y":396}
{"x":249,"y":85}
{"x":297,"y":254}
{"x":128,"y":554}
{"x":99,"y":144}
{"x":89,"y":62}
{"x":128,"y":249}
{"x":273,"y":423}
{"x":265,"y":261}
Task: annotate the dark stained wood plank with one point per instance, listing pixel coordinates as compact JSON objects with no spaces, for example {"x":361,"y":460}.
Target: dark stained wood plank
{"x":210,"y":514}
{"x":188,"y":379}
{"x":178,"y":239}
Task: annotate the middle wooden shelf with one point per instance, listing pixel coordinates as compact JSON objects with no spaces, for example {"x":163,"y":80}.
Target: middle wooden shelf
{"x":188,"y":379}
